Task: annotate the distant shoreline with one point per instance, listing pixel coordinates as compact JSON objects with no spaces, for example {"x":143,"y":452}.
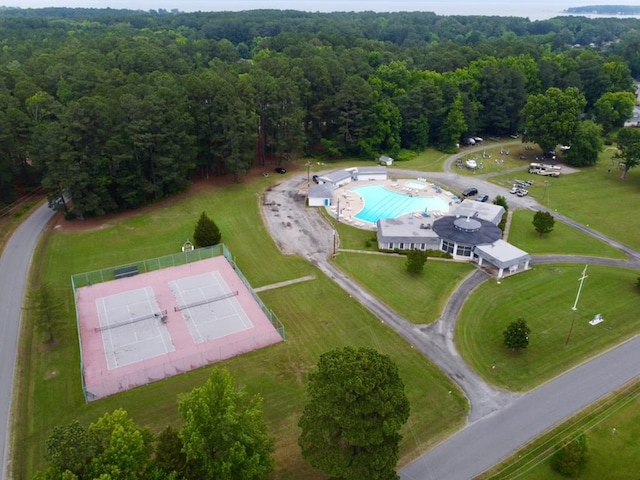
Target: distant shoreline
{"x":605,"y":10}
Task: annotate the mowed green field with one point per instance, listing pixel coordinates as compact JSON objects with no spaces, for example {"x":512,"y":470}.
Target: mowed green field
{"x":562,"y":240}
{"x":318,"y":316}
{"x":419,"y":299}
{"x":594,"y":196}
{"x":544,"y":297}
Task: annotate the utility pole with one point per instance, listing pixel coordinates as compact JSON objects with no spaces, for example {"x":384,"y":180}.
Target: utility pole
{"x":334,"y":243}
{"x":308,"y":168}
{"x":575,"y":304}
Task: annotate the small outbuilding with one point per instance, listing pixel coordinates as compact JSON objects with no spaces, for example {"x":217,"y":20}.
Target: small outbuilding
{"x":320,"y":195}
{"x":504,"y":256}
{"x":337,"y":178}
{"x":386,"y":161}
{"x":370,"y":173}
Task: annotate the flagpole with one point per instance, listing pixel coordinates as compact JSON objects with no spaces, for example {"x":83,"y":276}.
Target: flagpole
{"x":575,"y":304}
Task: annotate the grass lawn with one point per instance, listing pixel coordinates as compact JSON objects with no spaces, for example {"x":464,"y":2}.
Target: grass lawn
{"x":593,"y":196}
{"x":562,"y":240}
{"x":490,"y":159}
{"x":418,"y":299}
{"x":318,"y":316}
{"x":431,"y":160}
{"x":544,"y":297}
{"x":353,"y":238}
{"x":612,"y":427}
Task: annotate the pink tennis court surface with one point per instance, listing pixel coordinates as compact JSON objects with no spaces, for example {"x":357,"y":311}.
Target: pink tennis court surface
{"x":154,"y":325}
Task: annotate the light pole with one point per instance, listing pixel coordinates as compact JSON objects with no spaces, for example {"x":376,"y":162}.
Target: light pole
{"x":575,"y":304}
{"x":308,"y":164}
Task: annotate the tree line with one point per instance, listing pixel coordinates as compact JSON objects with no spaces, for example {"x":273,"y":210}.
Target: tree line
{"x":112,"y":108}
{"x":349,"y":429}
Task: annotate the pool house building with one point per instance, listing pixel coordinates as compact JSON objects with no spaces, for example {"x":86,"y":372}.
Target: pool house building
{"x":470,"y":232}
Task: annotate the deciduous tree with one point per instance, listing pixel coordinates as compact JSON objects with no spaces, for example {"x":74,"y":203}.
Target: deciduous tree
{"x":356,"y":405}
{"x":572,"y":457}
{"x":516,"y":336}
{"x":628,"y":148}
{"x":415,"y":261}
{"x":586,"y":145}
{"x":551,"y":118}
{"x":224,"y":434}
{"x":613,"y":108}
{"x":543,"y":222}
{"x":47,"y":308}
{"x":124,"y":449}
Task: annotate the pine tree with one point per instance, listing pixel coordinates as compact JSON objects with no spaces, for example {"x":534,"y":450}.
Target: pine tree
{"x":206,"y":232}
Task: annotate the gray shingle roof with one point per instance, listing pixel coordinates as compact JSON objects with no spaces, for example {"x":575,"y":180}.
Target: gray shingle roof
{"x":466,"y":230}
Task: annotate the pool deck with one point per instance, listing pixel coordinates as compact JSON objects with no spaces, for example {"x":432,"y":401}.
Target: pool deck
{"x":350,"y":202}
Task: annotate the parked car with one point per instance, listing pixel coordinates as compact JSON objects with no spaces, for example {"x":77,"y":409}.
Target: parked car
{"x":483,"y":197}
{"x":470,"y":192}
{"x":280,"y":170}
{"x":315,"y":179}
{"x":514,"y":189}
{"x":522,"y":192}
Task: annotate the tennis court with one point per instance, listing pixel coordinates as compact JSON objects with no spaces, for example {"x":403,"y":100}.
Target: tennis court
{"x":152,"y":325}
{"x":209,"y":307}
{"x":133,"y":327}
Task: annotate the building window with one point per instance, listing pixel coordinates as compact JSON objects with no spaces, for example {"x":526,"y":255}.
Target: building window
{"x":464,"y":250}
{"x":401,"y":246}
{"x":448,"y":246}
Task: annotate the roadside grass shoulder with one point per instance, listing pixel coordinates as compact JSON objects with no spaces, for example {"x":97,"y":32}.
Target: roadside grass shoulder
{"x":544,"y":296}
{"x":563,"y":240}
{"x":612,"y":427}
{"x":318,"y":316}
{"x":419,"y":299}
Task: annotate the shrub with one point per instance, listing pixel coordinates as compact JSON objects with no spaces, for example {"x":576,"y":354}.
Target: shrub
{"x":572,"y":457}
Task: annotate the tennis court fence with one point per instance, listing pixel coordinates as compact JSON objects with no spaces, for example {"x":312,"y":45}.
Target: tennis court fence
{"x":182,"y":258}
{"x":112,"y":382}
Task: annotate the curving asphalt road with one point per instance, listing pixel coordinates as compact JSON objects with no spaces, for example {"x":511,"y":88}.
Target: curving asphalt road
{"x":14,"y":268}
{"x":499,"y":422}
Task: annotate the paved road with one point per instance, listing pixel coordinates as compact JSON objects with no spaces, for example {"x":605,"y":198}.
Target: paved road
{"x":499,"y":422}
{"x":14,"y":268}
{"x":482,"y":444}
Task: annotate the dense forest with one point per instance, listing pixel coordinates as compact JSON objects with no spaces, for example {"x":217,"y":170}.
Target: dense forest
{"x":116,"y":108}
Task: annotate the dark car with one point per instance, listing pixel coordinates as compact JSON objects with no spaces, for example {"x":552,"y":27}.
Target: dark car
{"x":316,"y":179}
{"x":470,"y":192}
{"x":280,"y":170}
{"x":483,"y":197}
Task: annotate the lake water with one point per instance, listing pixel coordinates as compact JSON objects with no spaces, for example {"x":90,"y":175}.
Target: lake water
{"x":534,"y":9}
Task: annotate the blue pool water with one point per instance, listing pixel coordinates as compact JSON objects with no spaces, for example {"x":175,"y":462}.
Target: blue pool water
{"x":382,"y":203}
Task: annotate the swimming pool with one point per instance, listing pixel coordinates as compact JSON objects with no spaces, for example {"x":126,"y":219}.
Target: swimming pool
{"x":382,"y":203}
{"x":417,"y":185}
